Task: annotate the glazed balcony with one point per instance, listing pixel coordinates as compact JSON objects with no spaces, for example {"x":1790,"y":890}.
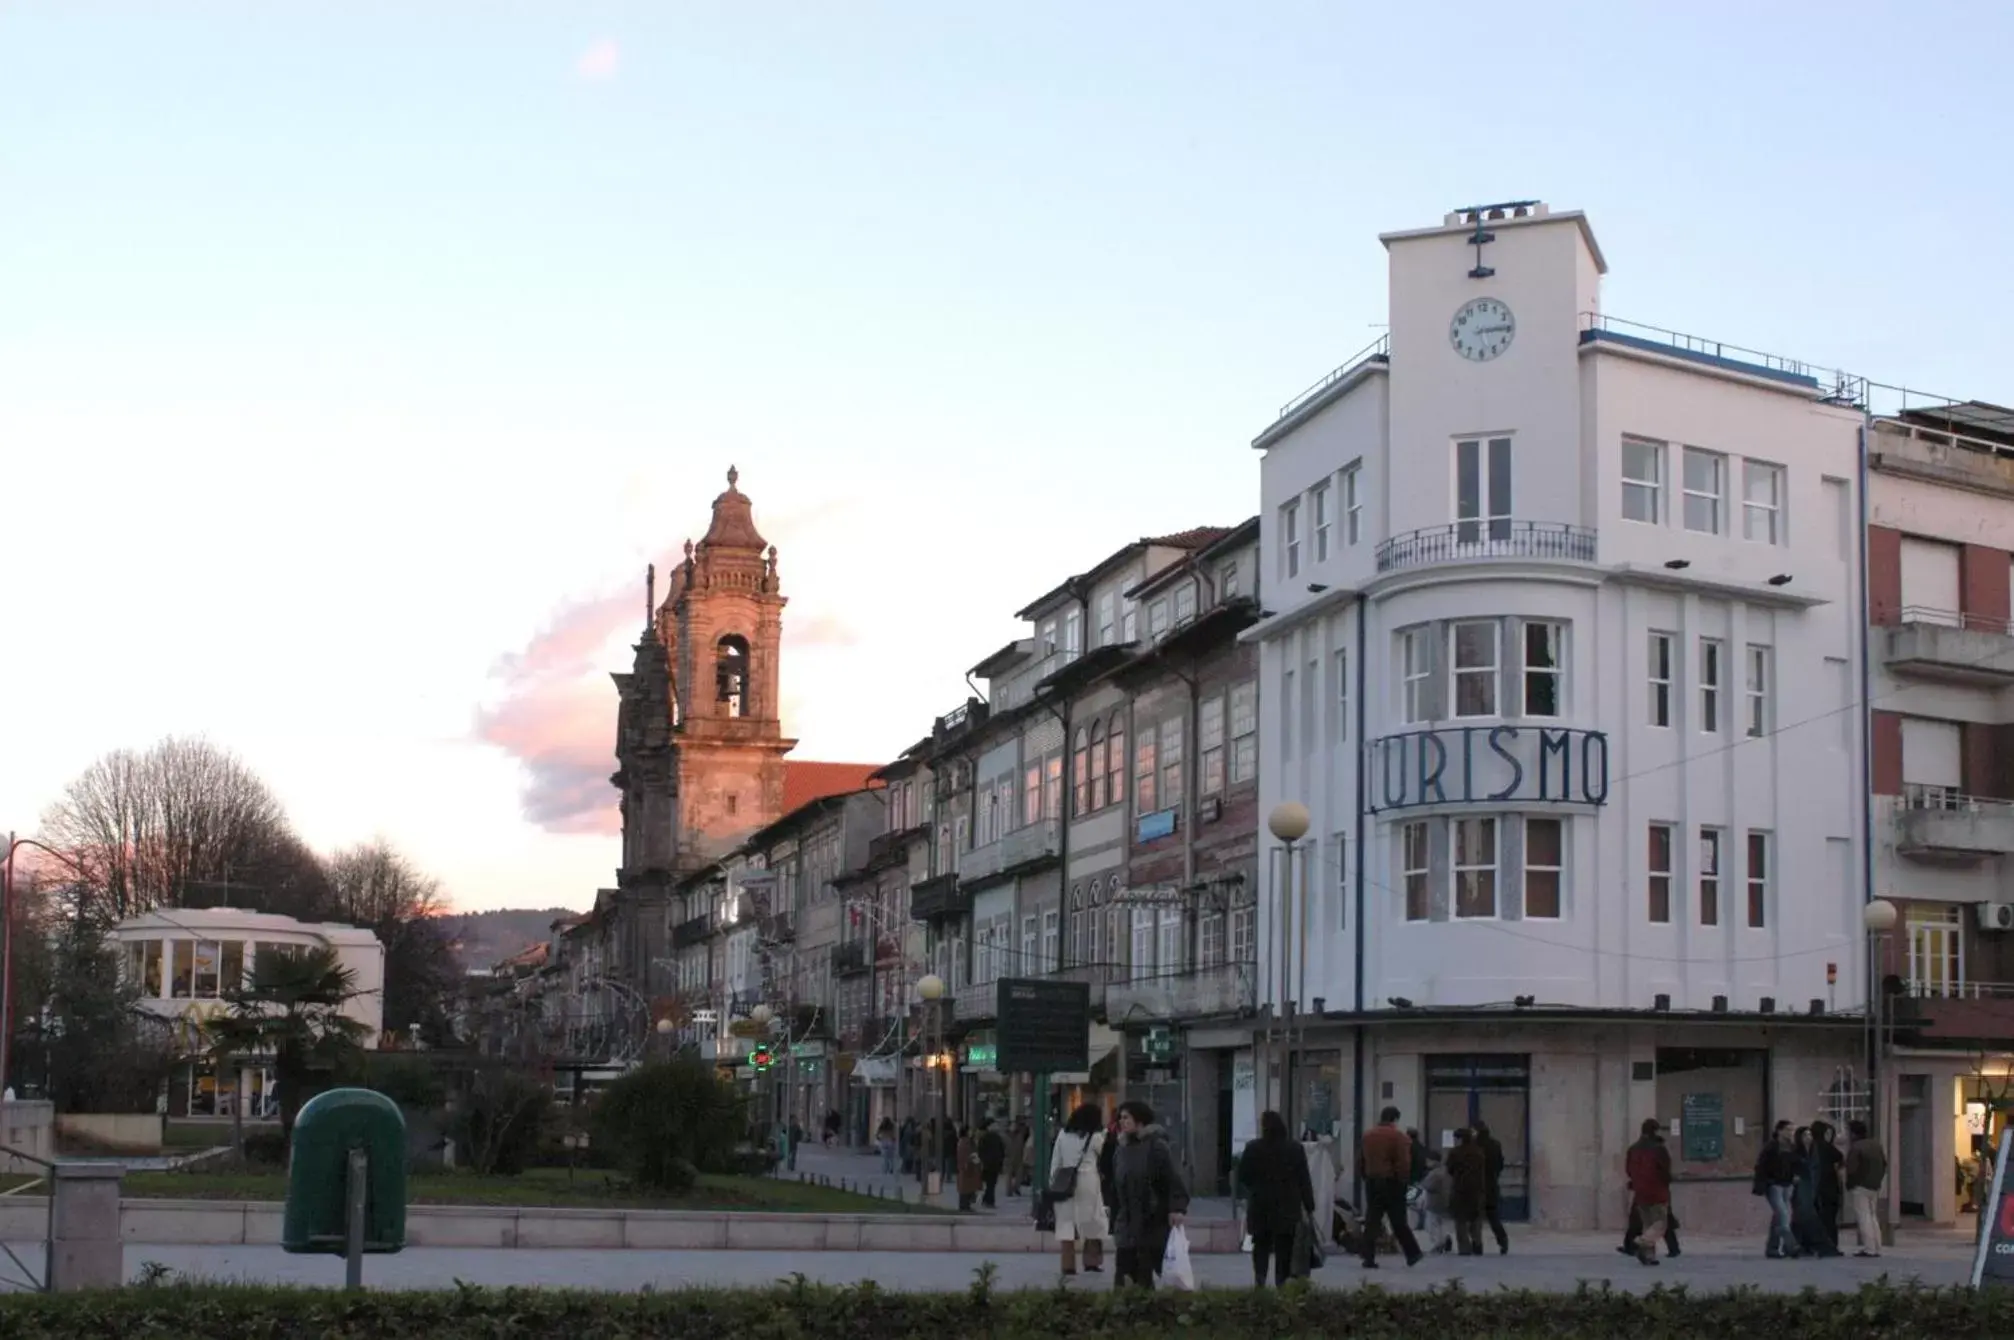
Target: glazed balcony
{"x":937,"y":898}
{"x":1949,"y":646}
{"x":1027,"y":848}
{"x":1473,"y":541}
{"x":1224,"y":989}
{"x":1941,"y":825}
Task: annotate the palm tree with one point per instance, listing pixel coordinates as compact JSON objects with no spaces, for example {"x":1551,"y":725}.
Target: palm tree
{"x":292,"y":1010}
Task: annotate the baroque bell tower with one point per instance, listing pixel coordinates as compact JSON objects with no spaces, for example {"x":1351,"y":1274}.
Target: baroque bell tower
{"x":709,"y":671}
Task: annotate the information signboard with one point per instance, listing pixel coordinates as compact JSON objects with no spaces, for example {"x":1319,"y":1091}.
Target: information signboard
{"x":1044,"y":1028}
{"x":1993,"y":1261}
{"x":1702,"y":1136}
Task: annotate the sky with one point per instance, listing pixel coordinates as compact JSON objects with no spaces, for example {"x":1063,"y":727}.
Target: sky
{"x":356,"y":357}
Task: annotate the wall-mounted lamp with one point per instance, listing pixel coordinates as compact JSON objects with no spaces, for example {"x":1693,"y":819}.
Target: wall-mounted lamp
{"x":1398,"y":1002}
{"x":1316,"y":588}
{"x":1780,"y":579}
{"x":1524,"y":1002}
{"x":1678,"y":564}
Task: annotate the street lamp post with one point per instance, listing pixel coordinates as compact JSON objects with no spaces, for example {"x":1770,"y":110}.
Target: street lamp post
{"x":761,"y":1016}
{"x":931,"y":988}
{"x":1879,"y":917}
{"x":1288,"y":822}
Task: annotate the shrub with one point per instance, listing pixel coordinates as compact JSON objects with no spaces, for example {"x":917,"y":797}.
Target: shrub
{"x":266,"y":1148}
{"x":408,"y":1079}
{"x":820,"y":1312}
{"x":501,"y":1121}
{"x":677,"y":1110}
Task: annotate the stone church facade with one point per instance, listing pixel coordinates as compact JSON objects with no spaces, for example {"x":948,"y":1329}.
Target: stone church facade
{"x":700,"y":750}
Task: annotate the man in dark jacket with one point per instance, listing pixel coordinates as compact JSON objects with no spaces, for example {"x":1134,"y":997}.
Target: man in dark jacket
{"x":1149,"y":1197}
{"x":1279,"y":1197}
{"x":1493,"y":1162}
{"x":1775,"y":1177}
{"x":1866,"y":1169}
{"x":1386,"y":1161}
{"x":1649,"y":1168}
{"x":992,"y":1158}
{"x":1468,"y":1167}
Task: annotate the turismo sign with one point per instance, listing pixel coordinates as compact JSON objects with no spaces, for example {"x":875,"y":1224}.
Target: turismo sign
{"x":1470,"y":765}
{"x":1993,"y":1262}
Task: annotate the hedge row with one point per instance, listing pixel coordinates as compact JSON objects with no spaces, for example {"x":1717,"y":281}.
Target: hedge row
{"x":804,"y":1311}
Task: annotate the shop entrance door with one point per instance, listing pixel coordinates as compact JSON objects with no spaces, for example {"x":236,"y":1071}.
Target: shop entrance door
{"x":1462,"y":1090}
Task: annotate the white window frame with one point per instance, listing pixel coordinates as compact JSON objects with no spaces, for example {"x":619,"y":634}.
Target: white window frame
{"x":1340,"y":660}
{"x":1048,"y":636}
{"x":1143,"y":943}
{"x":1486,"y":525}
{"x":1489,"y":871}
{"x":1185,"y":603}
{"x":1659,"y":674}
{"x":1557,"y":871}
{"x":1318,"y":498}
{"x":1290,"y":538}
{"x":1129,"y":620}
{"x":1491,"y":674}
{"x":1339,"y":846}
{"x":1108,"y":619}
{"x":1712,"y":874}
{"x":1245,"y":741}
{"x":1287,"y":705}
{"x":1031,"y":931}
{"x":1715,"y":500}
{"x":1764,"y":516}
{"x":1756,"y":880}
{"x":1168,"y":941}
{"x":1157,"y":617}
{"x":1644,"y":491}
{"x":1227,"y":579}
{"x":1243,"y":934}
{"x":1654,"y":872}
{"x":1353,"y":511}
{"x":1415,"y":672}
{"x":1415,"y":871}
{"x":1210,"y":739}
{"x":1555,"y":634}
{"x":1710,"y":657}
{"x":1757,"y":722}
{"x":1073,"y":631}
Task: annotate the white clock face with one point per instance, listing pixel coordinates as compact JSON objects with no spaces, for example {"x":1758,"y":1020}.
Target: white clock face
{"x":1482,"y":329}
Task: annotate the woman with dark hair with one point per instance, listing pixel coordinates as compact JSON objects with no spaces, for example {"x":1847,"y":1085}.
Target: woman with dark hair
{"x":1279,"y":1194}
{"x":1149,"y":1197}
{"x":1804,"y":1220}
{"x":1828,"y":1169}
{"x":1076,"y":1192}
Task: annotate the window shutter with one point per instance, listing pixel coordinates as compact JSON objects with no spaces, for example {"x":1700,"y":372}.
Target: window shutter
{"x":1440,"y":868}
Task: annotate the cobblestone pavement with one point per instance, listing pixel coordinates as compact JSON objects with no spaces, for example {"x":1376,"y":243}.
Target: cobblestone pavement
{"x":1550,"y":1261}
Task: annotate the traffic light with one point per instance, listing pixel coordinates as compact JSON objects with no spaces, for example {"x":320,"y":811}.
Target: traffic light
{"x":761,"y":1057}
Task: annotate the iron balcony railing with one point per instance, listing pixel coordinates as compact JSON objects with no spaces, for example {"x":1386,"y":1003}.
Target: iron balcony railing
{"x":1950,"y":800}
{"x":1500,"y":537}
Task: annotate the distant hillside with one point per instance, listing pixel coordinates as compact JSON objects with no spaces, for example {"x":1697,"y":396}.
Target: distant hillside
{"x":483,"y":938}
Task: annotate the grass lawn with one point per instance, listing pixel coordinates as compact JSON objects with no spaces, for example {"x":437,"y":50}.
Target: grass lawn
{"x":587,"y":1189}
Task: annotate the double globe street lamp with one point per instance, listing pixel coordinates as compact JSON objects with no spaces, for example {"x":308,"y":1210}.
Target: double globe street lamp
{"x":931,"y":989}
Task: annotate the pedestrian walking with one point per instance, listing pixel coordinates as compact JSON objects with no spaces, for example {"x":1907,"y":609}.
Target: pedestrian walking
{"x":970,"y":1175}
{"x":1866,"y":1169}
{"x":1386,"y":1159}
{"x":884,"y":1140}
{"x":1279,"y":1198}
{"x":1776,"y":1179}
{"x":1017,"y":1156}
{"x":1075,"y":1192}
{"x":992,"y":1149}
{"x":1436,"y":1214}
{"x":1493,"y":1164}
{"x":1468,"y":1166}
{"x":907,"y":1139}
{"x":1649,"y":1169}
{"x":1148,"y":1193}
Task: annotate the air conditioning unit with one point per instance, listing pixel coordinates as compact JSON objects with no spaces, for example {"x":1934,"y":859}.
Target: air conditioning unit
{"x":1995,"y":916}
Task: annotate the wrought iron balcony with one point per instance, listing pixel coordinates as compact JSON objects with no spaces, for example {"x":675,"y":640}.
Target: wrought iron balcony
{"x":1944,"y":825}
{"x":1465,"y":541}
{"x":691,"y":931}
{"x":850,"y":958}
{"x":939,"y":897}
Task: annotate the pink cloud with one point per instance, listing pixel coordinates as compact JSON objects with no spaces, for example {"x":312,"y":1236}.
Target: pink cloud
{"x":599,"y":61}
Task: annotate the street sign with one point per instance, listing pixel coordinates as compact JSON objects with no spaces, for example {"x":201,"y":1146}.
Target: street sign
{"x":1045,"y":1026}
{"x":1993,"y":1263}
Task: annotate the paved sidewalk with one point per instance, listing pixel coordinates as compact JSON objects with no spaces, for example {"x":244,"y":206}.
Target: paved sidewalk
{"x":860,"y":1170}
{"x":1555,"y":1262}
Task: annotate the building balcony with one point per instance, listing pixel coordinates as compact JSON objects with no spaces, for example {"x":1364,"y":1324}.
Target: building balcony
{"x":1469,"y":541}
{"x":1950,"y":646}
{"x":1946,"y":826}
{"x":691,"y":931}
{"x":1027,"y":848}
{"x":886,"y":849}
{"x":850,"y":959}
{"x":972,"y":713}
{"x":1957,"y":1014}
{"x":777,"y":928}
{"x":1226,"y":988}
{"x":938,"y":898}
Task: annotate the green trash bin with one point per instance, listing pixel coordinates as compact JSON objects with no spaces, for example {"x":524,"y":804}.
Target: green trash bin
{"x":332,"y":1124}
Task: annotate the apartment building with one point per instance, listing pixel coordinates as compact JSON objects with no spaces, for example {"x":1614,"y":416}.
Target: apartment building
{"x":1940,"y":540}
{"x":1561,"y":660}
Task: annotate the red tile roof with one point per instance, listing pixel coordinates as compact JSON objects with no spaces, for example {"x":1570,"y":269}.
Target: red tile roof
{"x":1193,"y":538}
{"x":804,"y":782}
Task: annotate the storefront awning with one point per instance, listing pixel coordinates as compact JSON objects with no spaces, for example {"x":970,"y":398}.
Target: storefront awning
{"x":877,"y":1070}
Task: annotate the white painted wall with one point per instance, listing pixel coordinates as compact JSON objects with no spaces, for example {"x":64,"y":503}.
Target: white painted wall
{"x":1567,"y":406}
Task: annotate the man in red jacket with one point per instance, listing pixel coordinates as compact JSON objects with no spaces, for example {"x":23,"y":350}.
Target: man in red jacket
{"x":1649,"y":1168}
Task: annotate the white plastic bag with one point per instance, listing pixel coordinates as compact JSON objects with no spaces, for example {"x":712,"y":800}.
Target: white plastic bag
{"x":1175,"y":1267}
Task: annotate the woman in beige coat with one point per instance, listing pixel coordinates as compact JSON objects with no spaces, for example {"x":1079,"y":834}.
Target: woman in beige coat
{"x":1080,"y":1217}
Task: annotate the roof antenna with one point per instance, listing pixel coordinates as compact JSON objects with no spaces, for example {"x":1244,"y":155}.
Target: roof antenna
{"x":649,"y":594}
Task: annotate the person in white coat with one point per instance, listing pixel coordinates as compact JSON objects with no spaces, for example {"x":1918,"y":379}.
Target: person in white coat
{"x":1080,"y":1215}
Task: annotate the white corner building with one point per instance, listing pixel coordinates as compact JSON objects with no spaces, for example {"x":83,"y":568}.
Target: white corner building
{"x":1562,"y":652}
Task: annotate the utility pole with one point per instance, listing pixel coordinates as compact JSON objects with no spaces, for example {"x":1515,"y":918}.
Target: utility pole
{"x":6,"y":959}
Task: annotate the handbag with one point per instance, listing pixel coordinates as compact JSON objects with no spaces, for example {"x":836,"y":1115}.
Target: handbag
{"x":1063,"y":1182}
{"x":1308,"y":1244}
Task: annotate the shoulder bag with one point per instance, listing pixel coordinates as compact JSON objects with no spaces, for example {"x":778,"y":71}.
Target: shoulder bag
{"x":1063,"y":1182}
